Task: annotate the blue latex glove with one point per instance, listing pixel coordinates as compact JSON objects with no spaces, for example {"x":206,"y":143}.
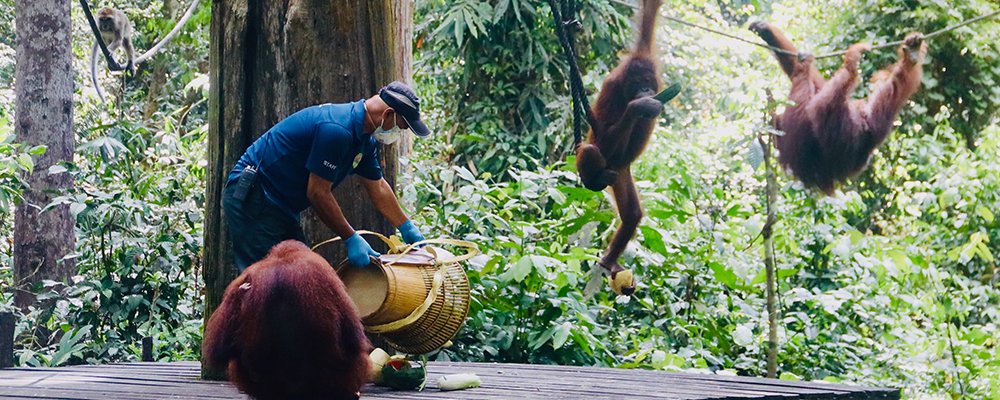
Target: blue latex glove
{"x":410,"y":232}
{"x":358,"y":251}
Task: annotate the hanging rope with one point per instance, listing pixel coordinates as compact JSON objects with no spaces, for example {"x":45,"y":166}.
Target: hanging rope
{"x":566,"y":24}
{"x":824,"y":55}
{"x":927,"y":36}
{"x":170,"y":35}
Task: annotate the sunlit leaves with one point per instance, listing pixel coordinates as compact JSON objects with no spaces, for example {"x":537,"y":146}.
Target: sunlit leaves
{"x":69,"y":345}
{"x":16,"y":161}
{"x":725,"y":276}
{"x":519,"y":270}
{"x":977,"y":246}
{"x":755,"y":154}
{"x":788,"y":376}
{"x":560,"y":335}
{"x":743,"y":335}
{"x":985,"y":213}
{"x":467,"y":16}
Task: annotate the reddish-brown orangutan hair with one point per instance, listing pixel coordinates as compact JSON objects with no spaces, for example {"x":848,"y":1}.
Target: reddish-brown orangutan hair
{"x":828,"y":136}
{"x":286,"y":329}
{"x":624,"y":116}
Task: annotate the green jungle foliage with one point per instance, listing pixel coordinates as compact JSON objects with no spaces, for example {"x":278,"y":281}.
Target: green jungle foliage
{"x":496,"y":71}
{"x":139,"y":175}
{"x":893,"y":282}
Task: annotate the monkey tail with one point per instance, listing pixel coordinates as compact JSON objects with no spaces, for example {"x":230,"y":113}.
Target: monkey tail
{"x":647,"y":26}
{"x":93,"y":72}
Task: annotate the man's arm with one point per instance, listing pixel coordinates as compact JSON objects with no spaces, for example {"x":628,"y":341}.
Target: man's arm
{"x":384,"y":200}
{"x":320,"y":194}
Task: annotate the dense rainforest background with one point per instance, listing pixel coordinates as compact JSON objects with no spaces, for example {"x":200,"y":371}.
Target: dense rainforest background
{"x":892,"y":282}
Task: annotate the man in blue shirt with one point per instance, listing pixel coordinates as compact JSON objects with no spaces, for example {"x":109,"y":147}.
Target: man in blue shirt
{"x":298,"y":162}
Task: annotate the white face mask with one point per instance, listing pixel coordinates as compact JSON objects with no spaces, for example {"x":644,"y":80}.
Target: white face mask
{"x":387,"y":136}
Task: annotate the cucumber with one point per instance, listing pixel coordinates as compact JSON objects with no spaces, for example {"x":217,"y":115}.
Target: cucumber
{"x":459,"y":382}
{"x":668,"y":93}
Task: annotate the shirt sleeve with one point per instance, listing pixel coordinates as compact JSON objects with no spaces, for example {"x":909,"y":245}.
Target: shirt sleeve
{"x":369,"y":167}
{"x":330,"y":144}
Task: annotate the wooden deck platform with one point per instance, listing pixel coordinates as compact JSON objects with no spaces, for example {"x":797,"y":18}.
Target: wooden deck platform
{"x":500,"y":381}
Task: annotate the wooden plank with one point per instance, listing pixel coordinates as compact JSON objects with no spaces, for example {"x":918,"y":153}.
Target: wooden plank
{"x":143,"y":381}
{"x":107,"y":382}
{"x":638,"y":378}
{"x":597,"y":388}
{"x":580,"y":376}
{"x":605,"y":381}
{"x":716,"y":379}
{"x":642,"y":378}
{"x":106,"y":394}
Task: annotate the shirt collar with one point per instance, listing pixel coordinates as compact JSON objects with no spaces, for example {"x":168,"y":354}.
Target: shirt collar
{"x":358,"y":119}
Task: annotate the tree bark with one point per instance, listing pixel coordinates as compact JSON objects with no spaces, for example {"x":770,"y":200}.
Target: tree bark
{"x":43,"y":116}
{"x":270,"y":59}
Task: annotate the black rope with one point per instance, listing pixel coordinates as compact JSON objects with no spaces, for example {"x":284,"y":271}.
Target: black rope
{"x":112,"y":64}
{"x":565,"y":30}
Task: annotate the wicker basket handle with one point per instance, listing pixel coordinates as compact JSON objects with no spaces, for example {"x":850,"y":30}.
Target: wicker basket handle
{"x":396,"y":247}
{"x":335,"y":239}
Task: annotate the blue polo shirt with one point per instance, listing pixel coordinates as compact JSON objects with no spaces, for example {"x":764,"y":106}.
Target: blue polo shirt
{"x":327,"y":140}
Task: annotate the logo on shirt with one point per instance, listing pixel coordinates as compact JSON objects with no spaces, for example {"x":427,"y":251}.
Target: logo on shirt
{"x":329,"y":165}
{"x":357,"y":160}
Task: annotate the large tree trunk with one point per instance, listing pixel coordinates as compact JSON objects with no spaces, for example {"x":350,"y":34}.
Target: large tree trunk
{"x":270,"y":59}
{"x":43,"y":116}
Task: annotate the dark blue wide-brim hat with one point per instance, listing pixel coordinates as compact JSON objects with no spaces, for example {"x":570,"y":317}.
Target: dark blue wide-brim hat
{"x":401,"y":98}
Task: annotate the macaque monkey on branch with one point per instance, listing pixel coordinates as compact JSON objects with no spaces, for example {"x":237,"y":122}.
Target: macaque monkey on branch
{"x":116,"y":31}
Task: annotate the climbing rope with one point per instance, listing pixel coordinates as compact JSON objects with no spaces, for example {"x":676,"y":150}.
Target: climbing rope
{"x":566,"y":23}
{"x":824,"y":55}
{"x":927,"y":36}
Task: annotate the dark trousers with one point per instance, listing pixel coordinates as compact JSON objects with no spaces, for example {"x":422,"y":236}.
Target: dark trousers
{"x":256,"y":224}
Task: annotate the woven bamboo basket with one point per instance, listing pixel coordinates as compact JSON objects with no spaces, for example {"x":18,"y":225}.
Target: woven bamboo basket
{"x":415,"y":298}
